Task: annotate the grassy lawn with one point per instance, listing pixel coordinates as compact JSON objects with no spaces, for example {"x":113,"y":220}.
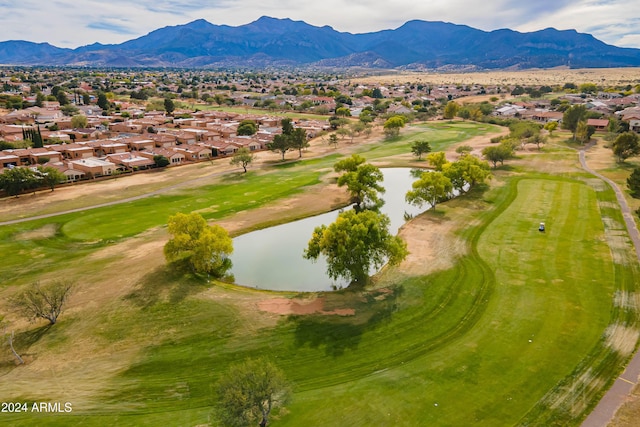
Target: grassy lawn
{"x":524,"y":330}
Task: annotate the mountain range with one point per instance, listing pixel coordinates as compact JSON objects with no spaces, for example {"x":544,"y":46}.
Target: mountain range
{"x":271,"y":42}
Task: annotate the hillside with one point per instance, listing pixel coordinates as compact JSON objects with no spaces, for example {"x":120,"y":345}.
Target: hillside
{"x":284,"y":42}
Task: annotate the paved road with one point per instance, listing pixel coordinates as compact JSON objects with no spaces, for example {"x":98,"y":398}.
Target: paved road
{"x":625,"y":383}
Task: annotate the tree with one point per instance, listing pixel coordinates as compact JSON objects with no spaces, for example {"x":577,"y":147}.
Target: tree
{"x":161,"y":161}
{"x":626,"y":145}
{"x":196,"y":246}
{"x":538,"y":140}
{"x":280,"y":144}
{"x":243,"y":157}
{"x":169,"y":106}
{"x":393,"y":125}
{"x":464,"y":149}
{"x":467,"y":170}
{"x":298,"y":140}
{"x":333,"y":139}
{"x":572,"y":117}
{"x":584,"y":132}
{"x":247,"y":127}
{"x":633,"y":183}
{"x":363,"y":186}
{"x":15,"y":180}
{"x":550,"y":127}
{"x":79,"y":121}
{"x":249,"y":391}
{"x":350,"y":164}
{"x":103,"y":101}
{"x":50,"y":176}
{"x":420,"y":147}
{"x":430,"y":188}
{"x":354,"y":244}
{"x":498,"y":153}
{"x":437,"y":160}
{"x":450,"y":110}
{"x":43,"y":302}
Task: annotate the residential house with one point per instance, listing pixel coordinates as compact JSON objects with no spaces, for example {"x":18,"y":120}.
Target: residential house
{"x":75,"y":151}
{"x":94,"y":167}
{"x":174,"y":157}
{"x":598,"y":124}
{"x":8,"y":160}
{"x":163,"y":140}
{"x":196,"y":152}
{"x":131,"y":161}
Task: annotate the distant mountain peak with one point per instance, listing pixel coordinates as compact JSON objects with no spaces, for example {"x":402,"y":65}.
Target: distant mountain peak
{"x":270,"y":41}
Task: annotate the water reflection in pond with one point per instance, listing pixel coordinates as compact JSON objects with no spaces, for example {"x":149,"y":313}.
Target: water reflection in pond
{"x":272,"y":258}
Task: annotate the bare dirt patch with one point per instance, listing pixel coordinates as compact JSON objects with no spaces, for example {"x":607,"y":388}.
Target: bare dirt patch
{"x":297,"y":306}
{"x":44,"y":232}
{"x":553,"y":77}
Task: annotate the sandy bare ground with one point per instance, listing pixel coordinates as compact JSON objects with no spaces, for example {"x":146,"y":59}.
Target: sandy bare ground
{"x":552,"y":77}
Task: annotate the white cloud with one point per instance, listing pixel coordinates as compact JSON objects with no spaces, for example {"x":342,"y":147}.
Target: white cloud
{"x":70,"y":23}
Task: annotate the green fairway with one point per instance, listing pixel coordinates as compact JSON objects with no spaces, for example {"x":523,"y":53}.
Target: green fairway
{"x":525,"y":329}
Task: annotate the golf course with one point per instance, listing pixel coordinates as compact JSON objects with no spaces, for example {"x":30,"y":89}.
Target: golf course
{"x":488,"y":322}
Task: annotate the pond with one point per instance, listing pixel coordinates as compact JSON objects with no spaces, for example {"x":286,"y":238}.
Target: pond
{"x":272,"y":258}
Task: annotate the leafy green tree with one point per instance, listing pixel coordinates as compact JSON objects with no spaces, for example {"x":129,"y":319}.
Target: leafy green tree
{"x":69,"y":110}
{"x":420,"y":147}
{"x":538,"y":140}
{"x":50,"y":176}
{"x":350,"y":164}
{"x":584,"y":132}
{"x":61,"y":96}
{"x":432,"y":187}
{"x":363,"y":186}
{"x":437,"y":160}
{"x":550,"y":127}
{"x":588,"y":88}
{"x":43,"y":302}
{"x":161,"y":161}
{"x":343,"y":112}
{"x":243,"y":157}
{"x":247,"y":127}
{"x":393,"y":125}
{"x":498,"y":153}
{"x":450,"y":110}
{"x":249,"y":391}
{"x":298,"y":140}
{"x":169,"y":106}
{"x":466,"y":170}
{"x":196,"y":246}
{"x":366,"y":116}
{"x":572,"y":116}
{"x":625,"y":146}
{"x":16,"y":180}
{"x":354,"y":244}
{"x":633,"y":183}
{"x":280,"y":144}
{"x":79,"y":121}
{"x":103,"y":101}
{"x":464,"y":149}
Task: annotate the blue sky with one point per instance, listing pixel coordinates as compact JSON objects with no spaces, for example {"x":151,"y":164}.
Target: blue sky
{"x":73,"y":23}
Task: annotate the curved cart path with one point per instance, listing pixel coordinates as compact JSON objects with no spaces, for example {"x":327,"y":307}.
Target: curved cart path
{"x":604,"y":412}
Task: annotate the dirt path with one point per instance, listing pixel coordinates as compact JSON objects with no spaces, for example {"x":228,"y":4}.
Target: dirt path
{"x":625,"y":383}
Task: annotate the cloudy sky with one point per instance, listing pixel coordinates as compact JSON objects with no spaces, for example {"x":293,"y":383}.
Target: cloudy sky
{"x":73,"y":23}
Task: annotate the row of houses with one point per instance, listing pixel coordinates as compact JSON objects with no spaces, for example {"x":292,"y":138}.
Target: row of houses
{"x":204,"y":136}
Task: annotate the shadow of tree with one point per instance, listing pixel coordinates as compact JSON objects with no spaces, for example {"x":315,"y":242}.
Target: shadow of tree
{"x":338,"y":334}
{"x":29,"y":337}
{"x":165,"y":283}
